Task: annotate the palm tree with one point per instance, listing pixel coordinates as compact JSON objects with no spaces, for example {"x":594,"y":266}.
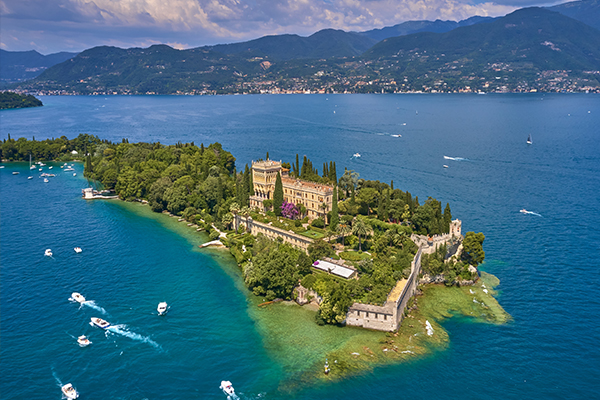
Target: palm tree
{"x":359,"y":228}
{"x":343,"y":230}
{"x":323,"y":207}
{"x":234,"y":208}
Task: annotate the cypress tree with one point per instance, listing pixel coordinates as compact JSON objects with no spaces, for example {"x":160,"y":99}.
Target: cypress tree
{"x":88,"y":166}
{"x":335,"y":219}
{"x":447,"y":218}
{"x":267,"y":155}
{"x":297,"y":166}
{"x":278,"y":195}
{"x":392,"y":185}
{"x":334,"y":174}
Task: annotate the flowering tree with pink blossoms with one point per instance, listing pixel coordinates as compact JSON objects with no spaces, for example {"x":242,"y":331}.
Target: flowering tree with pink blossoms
{"x":289,"y":210}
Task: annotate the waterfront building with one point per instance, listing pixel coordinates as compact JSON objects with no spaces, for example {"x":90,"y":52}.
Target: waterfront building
{"x":316,"y":198}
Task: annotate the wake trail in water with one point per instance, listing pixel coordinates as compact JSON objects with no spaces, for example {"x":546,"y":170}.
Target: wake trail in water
{"x":123,"y":331}
{"x":531,"y":213}
{"x":92,"y":304}
{"x":456,"y":158}
{"x":57,"y":379}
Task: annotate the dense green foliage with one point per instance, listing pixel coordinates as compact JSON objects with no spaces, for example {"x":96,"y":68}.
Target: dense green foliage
{"x":15,"y":100}
{"x":473,"y":248}
{"x":278,"y":195}
{"x":453,"y":270}
{"x":49,"y":149}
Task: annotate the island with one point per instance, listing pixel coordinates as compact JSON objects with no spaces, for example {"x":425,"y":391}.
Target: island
{"x":15,"y":100}
{"x":369,"y":259}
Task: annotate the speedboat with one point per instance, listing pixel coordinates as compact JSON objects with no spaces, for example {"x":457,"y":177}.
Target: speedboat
{"x":69,"y":391}
{"x":100,"y":323}
{"x":15,"y":173}
{"x":227,"y":388}
{"x":83,"y":341}
{"x":48,"y":253}
{"x":46,"y":180}
{"x":162,"y":308}
{"x":50,"y":167}
{"x":445,"y":166}
{"x":356,"y":155}
{"x":78,"y":297}
{"x":396,"y":135}
{"x":30,"y":177}
{"x":74,"y":173}
{"x":77,"y":249}
{"x":524,"y":211}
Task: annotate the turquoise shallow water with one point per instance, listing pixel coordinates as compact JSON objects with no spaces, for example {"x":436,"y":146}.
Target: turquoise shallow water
{"x":547,"y":265}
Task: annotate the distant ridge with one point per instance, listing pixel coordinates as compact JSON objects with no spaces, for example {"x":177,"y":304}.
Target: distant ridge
{"x":586,"y":11}
{"x":16,"y":66}
{"x":326,"y":43}
{"x":410,"y":27}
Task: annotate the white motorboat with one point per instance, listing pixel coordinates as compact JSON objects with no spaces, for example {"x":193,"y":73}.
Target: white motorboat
{"x":30,"y":177}
{"x":69,"y":391}
{"x":100,"y":323}
{"x":50,"y":167}
{"x":445,"y":166}
{"x":74,"y":173}
{"x":40,"y":169}
{"x":524,"y":211}
{"x":46,"y":180}
{"x":77,"y":249}
{"x":529,"y":141}
{"x":78,"y":297}
{"x":356,"y":155}
{"x":396,"y":135}
{"x":162,"y":308}
{"x":227,"y":388}
{"x":48,"y":253}
{"x":83,"y":341}
{"x":15,"y":173}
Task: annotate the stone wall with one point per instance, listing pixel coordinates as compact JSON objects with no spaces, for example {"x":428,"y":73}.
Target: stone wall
{"x":272,"y":232}
{"x":389,"y":316}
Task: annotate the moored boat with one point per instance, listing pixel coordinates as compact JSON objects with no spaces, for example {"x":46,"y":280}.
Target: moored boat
{"x":529,"y":140}
{"x":162,"y":308}
{"x":48,"y":253}
{"x":69,"y":391}
{"x":100,"y":323}
{"x":77,"y":297}
{"x":77,"y":249}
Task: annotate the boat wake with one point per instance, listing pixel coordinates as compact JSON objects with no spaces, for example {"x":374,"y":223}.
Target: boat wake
{"x":92,"y":304}
{"x":57,"y":379}
{"x":530,"y":213}
{"x":123,"y":331}
{"x":456,"y":158}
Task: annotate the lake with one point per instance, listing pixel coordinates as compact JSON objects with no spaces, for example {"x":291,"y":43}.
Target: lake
{"x":131,"y":259}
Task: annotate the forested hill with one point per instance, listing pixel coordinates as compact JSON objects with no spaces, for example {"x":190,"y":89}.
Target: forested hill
{"x":587,"y":11}
{"x":14,"y":100}
{"x":528,"y":39}
{"x":16,"y":66}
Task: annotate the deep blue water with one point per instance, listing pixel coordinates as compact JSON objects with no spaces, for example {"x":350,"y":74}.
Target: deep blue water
{"x":548,"y":265}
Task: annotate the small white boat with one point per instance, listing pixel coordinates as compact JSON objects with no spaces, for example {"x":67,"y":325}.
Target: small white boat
{"x":77,"y":297}
{"x":162,"y":308}
{"x":40,"y":169}
{"x":15,"y":173}
{"x":50,"y":167}
{"x":69,"y":391}
{"x":100,"y":323}
{"x":42,"y":164}
{"x":30,"y":177}
{"x":396,"y":135}
{"x":356,"y":155}
{"x":74,"y":173}
{"x":77,"y":249}
{"x":48,"y":253}
{"x":32,"y":167}
{"x":529,"y":141}
{"x":83,"y":341}
{"x":524,"y":211}
{"x":445,"y":166}
{"x":46,"y":180}
{"x":227,"y":388}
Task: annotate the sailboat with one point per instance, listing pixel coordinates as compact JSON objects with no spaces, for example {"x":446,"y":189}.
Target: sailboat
{"x":31,"y":166}
{"x":529,"y":141}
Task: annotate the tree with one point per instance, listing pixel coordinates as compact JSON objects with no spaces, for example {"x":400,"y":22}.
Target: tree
{"x":319,"y":249}
{"x":447,"y":218}
{"x":335,"y":218}
{"x":343,"y":230}
{"x":278,"y":195}
{"x":473,"y":248}
{"x":359,"y":228}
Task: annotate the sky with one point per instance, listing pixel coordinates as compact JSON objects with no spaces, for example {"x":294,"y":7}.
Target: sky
{"x":50,"y":26}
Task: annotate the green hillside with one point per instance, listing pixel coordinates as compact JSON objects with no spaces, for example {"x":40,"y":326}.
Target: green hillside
{"x":14,"y":100}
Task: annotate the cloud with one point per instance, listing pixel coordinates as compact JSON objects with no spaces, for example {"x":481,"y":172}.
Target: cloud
{"x":132,"y":22}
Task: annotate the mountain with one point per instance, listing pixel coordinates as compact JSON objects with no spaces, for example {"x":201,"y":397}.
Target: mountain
{"x":586,"y":11}
{"x":410,"y":27}
{"x":533,"y":39}
{"x":16,"y":66}
{"x":529,"y":49}
{"x":326,"y":43}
